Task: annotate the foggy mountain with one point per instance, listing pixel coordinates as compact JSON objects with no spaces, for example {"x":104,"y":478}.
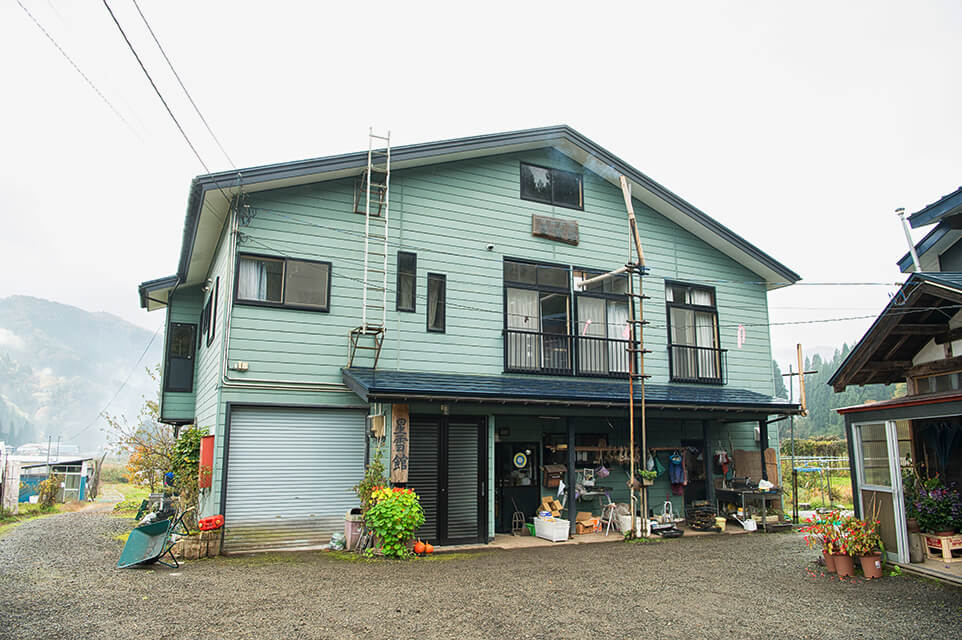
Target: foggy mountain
{"x":59,"y":367}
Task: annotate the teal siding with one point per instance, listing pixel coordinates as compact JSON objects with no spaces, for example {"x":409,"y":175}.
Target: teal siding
{"x":184,"y":306}
{"x":448,"y":213}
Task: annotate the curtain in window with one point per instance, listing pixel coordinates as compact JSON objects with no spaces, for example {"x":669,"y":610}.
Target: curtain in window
{"x":252,"y":280}
{"x":700,"y":296}
{"x":705,"y":337}
{"x":524,"y":352}
{"x":618,"y":329}
{"x":683,"y":360}
{"x":591,"y":324}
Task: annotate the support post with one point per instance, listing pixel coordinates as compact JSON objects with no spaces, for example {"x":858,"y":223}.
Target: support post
{"x":763,"y":444}
{"x":572,"y":508}
{"x":709,"y":465}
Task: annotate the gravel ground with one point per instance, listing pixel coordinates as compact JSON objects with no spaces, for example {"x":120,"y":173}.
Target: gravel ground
{"x":57,"y":580}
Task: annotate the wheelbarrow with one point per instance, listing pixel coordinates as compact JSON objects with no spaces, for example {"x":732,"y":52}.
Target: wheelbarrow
{"x":149,"y":543}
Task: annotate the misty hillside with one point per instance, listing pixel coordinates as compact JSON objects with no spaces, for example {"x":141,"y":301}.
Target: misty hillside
{"x":59,"y":366}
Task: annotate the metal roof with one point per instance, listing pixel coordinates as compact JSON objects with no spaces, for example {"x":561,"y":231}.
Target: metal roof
{"x":385,"y":385}
{"x":601,"y":161}
{"x":56,"y":463}
{"x":923,"y":307}
{"x":925,"y":244}
{"x":948,"y":205}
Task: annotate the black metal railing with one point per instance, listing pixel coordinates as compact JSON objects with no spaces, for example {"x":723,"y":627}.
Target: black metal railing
{"x":564,"y":354}
{"x":706,"y":365}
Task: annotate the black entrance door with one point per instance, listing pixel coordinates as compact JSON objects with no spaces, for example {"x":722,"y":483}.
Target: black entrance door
{"x":448,"y":470}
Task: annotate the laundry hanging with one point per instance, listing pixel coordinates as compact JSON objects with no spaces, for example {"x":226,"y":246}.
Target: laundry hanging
{"x":676,"y":473}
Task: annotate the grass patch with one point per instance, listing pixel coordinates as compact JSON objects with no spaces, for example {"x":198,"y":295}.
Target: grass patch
{"x":27,"y":511}
{"x":133,"y":496}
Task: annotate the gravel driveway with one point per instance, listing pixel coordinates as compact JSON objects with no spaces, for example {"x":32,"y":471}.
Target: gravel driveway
{"x":57,"y":580}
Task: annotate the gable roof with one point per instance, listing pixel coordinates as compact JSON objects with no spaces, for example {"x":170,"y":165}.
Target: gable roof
{"x":210,"y":194}
{"x":917,"y":313}
{"x":945,"y":207}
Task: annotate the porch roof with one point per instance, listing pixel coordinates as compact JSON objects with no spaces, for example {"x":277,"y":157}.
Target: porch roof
{"x":905,"y":401}
{"x":384,"y":385}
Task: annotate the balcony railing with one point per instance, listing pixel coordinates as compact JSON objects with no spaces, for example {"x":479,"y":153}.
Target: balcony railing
{"x":706,"y":365}
{"x":564,"y":354}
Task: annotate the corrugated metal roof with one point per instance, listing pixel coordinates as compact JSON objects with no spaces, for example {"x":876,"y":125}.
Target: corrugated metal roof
{"x":948,"y":205}
{"x":898,"y":310}
{"x":376,"y":385}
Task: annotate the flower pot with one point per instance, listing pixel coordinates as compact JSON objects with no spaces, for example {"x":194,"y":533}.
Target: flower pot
{"x":871,"y":565}
{"x":844,"y":564}
{"x":948,"y":532}
{"x":829,"y":561}
{"x":912,"y":525}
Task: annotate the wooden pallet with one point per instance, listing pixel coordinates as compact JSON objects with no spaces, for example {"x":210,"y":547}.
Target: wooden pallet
{"x":943,"y":548}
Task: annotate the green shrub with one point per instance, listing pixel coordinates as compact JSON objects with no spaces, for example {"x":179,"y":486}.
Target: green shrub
{"x":393,"y":516}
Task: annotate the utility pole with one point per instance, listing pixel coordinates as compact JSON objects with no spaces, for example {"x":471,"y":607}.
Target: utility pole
{"x":791,"y":420}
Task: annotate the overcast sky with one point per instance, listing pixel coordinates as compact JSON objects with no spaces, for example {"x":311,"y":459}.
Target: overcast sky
{"x":801,"y":126}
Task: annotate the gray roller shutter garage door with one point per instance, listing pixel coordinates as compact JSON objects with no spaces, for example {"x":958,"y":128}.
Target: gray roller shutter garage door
{"x":290,"y":474}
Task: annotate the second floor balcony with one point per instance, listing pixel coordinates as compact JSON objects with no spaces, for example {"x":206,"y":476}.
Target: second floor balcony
{"x":564,"y":354}
{"x":573,"y":355}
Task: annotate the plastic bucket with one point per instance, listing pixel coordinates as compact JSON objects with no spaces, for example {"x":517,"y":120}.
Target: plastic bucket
{"x":720,"y":523}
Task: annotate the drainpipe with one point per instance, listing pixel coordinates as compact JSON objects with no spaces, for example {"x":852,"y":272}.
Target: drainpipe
{"x":900,"y":212}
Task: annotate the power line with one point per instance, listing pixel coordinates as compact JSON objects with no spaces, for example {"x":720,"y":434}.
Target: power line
{"x":154,"y":85}
{"x":653,"y":325}
{"x":166,"y":106}
{"x":360,"y":234}
{"x":78,"y":70}
{"x":121,"y":387}
{"x":180,"y":82}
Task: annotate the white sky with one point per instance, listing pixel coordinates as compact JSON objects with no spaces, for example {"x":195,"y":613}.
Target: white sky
{"x":801,"y":126}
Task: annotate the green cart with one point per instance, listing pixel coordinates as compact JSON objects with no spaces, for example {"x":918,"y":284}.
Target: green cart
{"x":149,"y":543}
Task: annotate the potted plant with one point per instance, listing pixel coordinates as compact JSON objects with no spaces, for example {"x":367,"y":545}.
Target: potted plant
{"x":393,"y":515}
{"x":821,"y":532}
{"x":862,"y":540}
{"x":937,"y":508}
{"x":647,"y":477}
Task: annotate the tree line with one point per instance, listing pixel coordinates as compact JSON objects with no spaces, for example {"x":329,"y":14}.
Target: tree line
{"x":821,"y":399}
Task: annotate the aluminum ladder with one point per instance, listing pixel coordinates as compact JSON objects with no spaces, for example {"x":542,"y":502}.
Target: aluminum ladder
{"x":376,"y":182}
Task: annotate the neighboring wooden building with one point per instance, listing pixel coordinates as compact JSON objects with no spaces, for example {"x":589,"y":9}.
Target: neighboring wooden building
{"x":917,"y":340}
{"x":490,"y":345}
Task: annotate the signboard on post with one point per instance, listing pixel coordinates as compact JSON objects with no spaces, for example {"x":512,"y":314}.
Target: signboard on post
{"x":400,"y":442}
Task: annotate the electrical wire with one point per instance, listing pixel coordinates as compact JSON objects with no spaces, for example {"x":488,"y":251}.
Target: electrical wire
{"x":182,"y":86}
{"x":166,"y":106}
{"x":120,"y":388}
{"x":653,"y":325}
{"x":396,"y":244}
{"x":80,"y":71}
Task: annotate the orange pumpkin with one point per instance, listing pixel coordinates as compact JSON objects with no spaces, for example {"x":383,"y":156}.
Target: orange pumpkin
{"x":419,"y":547}
{"x":428,"y":548}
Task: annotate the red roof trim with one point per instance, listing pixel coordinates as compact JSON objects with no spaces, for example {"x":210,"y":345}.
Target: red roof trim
{"x":913,"y":401}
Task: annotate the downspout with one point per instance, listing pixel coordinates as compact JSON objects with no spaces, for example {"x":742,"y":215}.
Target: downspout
{"x":900,"y":212}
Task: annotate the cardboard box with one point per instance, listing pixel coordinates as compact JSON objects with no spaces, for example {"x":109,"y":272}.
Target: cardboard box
{"x":583,"y":515}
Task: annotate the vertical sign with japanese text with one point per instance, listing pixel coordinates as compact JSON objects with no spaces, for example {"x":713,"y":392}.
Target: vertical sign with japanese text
{"x":400,"y":442}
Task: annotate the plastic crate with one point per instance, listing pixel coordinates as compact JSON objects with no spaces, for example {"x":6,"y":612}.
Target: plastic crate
{"x":554,"y":530}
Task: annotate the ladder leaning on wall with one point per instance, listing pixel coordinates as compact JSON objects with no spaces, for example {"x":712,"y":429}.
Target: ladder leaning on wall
{"x":376,"y":182}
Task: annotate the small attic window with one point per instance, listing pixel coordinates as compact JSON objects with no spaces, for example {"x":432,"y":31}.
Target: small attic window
{"x":552,"y":186}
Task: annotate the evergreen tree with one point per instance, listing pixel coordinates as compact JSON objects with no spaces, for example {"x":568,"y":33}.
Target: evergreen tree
{"x":780,"y":390}
{"x":822,"y":401}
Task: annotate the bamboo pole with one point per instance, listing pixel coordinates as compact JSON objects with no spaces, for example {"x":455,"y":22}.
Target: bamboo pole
{"x":637,"y":334}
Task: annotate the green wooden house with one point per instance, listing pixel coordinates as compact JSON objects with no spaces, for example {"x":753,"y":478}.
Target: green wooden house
{"x":490,"y":344}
